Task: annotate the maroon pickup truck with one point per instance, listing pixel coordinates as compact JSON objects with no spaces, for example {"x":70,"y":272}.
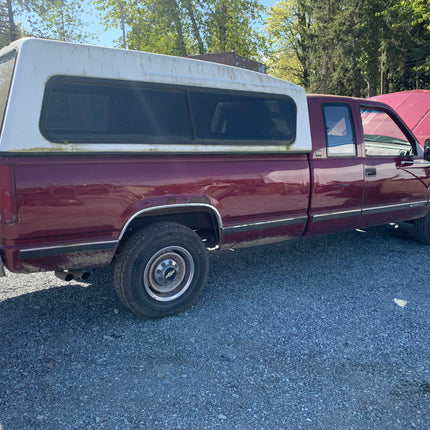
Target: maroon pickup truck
{"x":148,"y":161}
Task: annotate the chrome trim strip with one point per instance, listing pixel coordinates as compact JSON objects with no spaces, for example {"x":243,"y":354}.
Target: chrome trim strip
{"x":186,"y":205}
{"x":264,"y":224}
{"x":336,"y":215}
{"x":67,"y":248}
{"x":367,"y":211}
{"x":388,"y":208}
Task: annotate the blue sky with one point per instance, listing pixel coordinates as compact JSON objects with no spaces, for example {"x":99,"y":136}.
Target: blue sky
{"x":107,"y":38}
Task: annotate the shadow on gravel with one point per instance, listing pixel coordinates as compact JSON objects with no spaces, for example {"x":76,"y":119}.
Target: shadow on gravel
{"x":95,"y":299}
{"x":63,"y":300}
{"x":304,"y":334}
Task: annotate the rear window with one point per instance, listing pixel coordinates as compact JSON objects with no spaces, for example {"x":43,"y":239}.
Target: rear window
{"x":7,"y":64}
{"x":92,"y":110}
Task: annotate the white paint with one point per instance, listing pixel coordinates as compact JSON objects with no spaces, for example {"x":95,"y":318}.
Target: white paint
{"x":39,"y":59}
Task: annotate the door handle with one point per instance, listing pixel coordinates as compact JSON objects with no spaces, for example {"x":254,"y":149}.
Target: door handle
{"x":417,"y":162}
{"x":370,"y":171}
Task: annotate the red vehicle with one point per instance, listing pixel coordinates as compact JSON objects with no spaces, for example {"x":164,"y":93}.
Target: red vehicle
{"x":148,"y":161}
{"x":414,"y":108}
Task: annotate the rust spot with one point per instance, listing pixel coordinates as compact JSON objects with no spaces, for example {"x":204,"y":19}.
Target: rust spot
{"x":200,"y":199}
{"x":171,"y":201}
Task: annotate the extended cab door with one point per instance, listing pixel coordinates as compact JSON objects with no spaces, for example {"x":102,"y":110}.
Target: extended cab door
{"x":396,"y":177}
{"x":336,"y":165}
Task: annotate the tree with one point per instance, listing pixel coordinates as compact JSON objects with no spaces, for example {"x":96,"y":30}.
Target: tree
{"x":229,"y":26}
{"x":154,"y":26}
{"x":56,"y":19}
{"x":408,"y":60}
{"x":8,"y":20}
{"x":187,"y":27}
{"x":157,"y":26}
{"x":352,"y":47}
{"x":420,"y":10}
{"x":289,"y":34}
{"x":9,"y":30}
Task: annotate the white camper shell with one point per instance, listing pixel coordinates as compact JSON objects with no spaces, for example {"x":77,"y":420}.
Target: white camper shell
{"x":62,"y":97}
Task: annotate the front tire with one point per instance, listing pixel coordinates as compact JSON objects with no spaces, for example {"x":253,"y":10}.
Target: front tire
{"x":161,"y":270}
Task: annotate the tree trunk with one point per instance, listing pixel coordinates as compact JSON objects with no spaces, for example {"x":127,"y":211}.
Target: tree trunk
{"x":11,"y":22}
{"x":180,"y":42}
{"x":371,"y":89}
{"x":195,"y":27}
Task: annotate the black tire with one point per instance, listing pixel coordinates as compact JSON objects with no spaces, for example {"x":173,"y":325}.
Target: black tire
{"x":422,"y":229}
{"x":161,"y":270}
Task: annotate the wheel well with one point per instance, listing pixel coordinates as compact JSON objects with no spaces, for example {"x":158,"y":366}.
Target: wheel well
{"x":204,"y":223}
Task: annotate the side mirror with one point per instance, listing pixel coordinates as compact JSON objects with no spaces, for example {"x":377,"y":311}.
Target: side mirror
{"x":427,"y":150}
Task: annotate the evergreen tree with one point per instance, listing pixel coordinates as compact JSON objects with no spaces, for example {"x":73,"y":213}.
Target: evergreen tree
{"x":9,"y":29}
{"x":352,"y":47}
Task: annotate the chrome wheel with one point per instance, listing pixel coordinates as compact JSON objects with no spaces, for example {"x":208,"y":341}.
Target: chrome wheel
{"x":161,"y":269}
{"x":169,"y":273}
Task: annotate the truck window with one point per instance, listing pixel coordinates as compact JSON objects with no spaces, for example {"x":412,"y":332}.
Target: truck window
{"x":340,"y":135}
{"x":227,"y":116}
{"x":7,"y":64}
{"x":382,"y":136}
{"x":98,"y":111}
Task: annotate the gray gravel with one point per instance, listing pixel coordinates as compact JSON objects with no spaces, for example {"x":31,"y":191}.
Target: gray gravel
{"x":328,"y":332}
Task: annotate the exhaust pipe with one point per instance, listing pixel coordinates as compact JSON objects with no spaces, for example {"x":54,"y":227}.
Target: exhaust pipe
{"x":81,"y":275}
{"x":69,"y":275}
{"x":64,"y":276}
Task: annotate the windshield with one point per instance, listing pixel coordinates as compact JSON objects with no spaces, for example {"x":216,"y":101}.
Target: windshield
{"x":7,"y":64}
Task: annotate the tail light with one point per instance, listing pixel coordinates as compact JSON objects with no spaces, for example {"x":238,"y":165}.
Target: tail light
{"x":7,"y":194}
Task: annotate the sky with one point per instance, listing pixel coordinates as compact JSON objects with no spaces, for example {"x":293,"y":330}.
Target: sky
{"x":108,"y":37}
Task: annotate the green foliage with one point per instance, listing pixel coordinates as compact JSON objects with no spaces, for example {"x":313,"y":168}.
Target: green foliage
{"x":56,"y":19}
{"x":9,"y":29}
{"x":420,"y":10}
{"x":412,"y":17}
{"x":229,"y":26}
{"x":351,"y":47}
{"x":186,"y":27}
{"x":288,"y":32}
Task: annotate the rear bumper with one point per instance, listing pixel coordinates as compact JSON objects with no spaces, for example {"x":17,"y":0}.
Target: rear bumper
{"x":58,"y":257}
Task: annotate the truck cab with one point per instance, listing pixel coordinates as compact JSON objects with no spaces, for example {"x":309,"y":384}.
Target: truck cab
{"x":366,"y":166}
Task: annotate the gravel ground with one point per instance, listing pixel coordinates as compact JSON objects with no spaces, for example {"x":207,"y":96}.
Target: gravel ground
{"x":328,"y":332}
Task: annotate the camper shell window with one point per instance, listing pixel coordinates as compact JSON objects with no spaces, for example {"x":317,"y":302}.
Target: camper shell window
{"x":95,"y":111}
{"x":89,"y":110}
{"x":231,"y":116}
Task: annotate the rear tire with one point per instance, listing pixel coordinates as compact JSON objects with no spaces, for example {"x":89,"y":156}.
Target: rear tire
{"x":422,"y":229}
{"x":161,"y":270}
